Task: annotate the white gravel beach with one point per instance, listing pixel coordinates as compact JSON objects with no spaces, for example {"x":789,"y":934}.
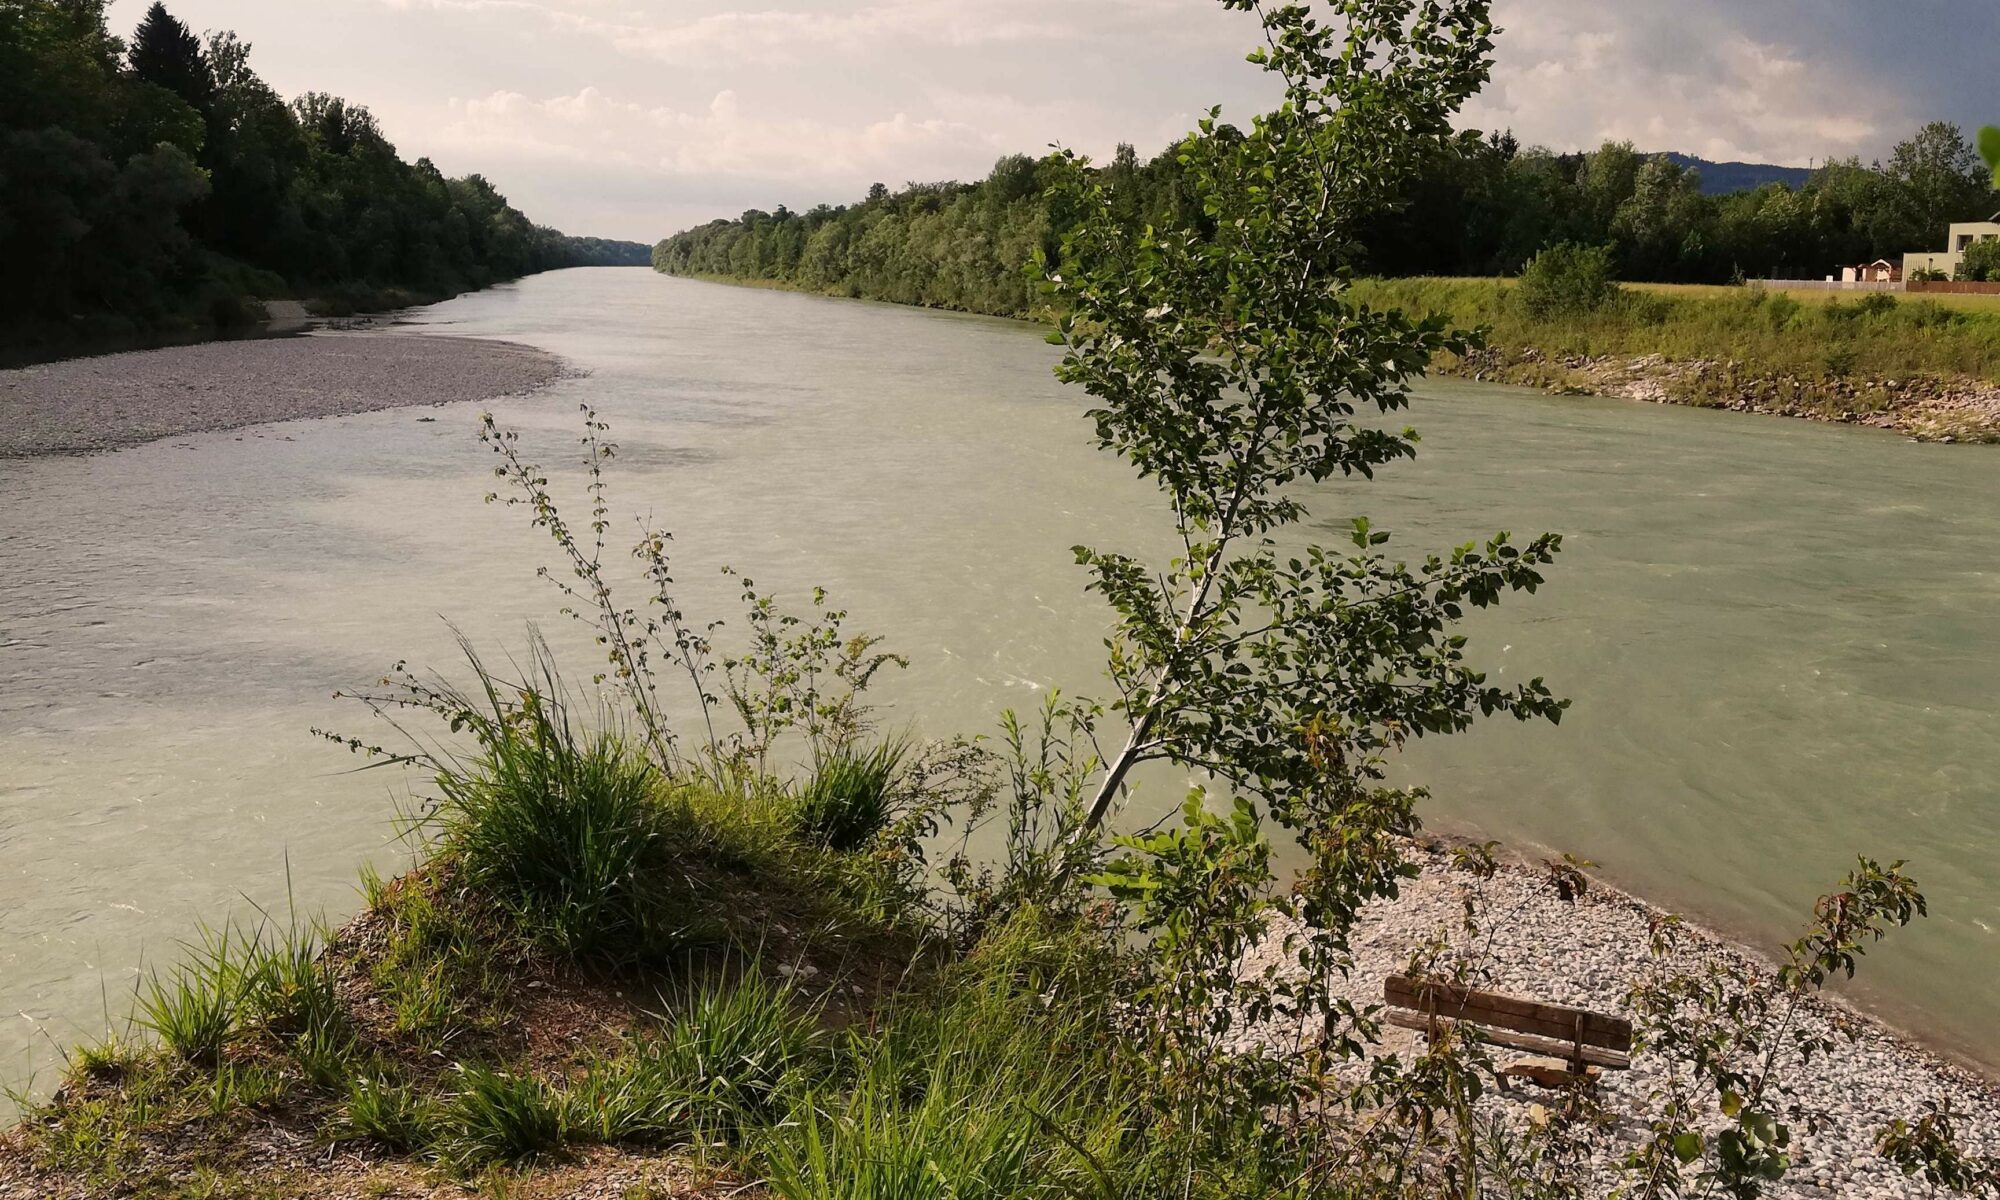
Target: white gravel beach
{"x":1587,"y":954}
{"x":88,"y":404}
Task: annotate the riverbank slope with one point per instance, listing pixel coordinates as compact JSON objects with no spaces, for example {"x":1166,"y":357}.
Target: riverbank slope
{"x":429,"y":1046}
{"x":1919,"y":366}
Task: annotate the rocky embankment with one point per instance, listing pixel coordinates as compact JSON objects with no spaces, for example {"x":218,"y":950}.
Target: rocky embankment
{"x":82,"y":405}
{"x":1588,"y":952}
{"x":1925,"y":407}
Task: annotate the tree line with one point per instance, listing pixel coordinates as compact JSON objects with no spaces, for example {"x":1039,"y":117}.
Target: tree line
{"x":1479,"y":205}
{"x":158,"y":181}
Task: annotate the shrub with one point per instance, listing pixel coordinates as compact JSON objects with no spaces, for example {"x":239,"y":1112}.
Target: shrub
{"x":850,"y":797}
{"x":1782,"y":311}
{"x":1567,"y":280}
{"x":1876,"y":304}
{"x":1981,"y":263}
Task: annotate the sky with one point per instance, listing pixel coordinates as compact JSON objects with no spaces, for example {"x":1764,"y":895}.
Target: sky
{"x":637,"y":118}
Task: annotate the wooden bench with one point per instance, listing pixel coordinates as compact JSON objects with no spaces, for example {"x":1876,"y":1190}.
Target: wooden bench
{"x":1581,"y":1038}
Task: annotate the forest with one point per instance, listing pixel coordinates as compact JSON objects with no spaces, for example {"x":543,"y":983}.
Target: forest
{"x":1482,"y":205}
{"x":158,"y":183}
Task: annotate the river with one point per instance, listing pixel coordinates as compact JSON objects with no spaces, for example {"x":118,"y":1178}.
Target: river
{"x":1782,"y":638}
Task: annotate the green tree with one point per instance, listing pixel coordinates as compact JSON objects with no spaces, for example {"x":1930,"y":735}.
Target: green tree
{"x":1938,"y":181}
{"x":1228,"y":366}
{"x":1981,"y":263}
{"x":167,"y":54}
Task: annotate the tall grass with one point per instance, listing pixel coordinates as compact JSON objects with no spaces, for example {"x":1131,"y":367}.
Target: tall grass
{"x":726,"y":1064}
{"x":1768,"y":332}
{"x":498,"y":1117}
{"x":233,"y":975}
{"x":997,"y":1093}
{"x":561,"y":823}
{"x":194,"y":1007}
{"x":850,"y":797}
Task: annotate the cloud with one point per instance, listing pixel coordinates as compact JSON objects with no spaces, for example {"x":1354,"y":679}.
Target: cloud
{"x":1787,"y":81}
{"x":720,"y":140}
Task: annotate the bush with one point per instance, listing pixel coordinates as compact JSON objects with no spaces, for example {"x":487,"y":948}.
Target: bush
{"x":1981,"y":263}
{"x":849,"y":798}
{"x":1876,"y":304}
{"x":1567,"y":280}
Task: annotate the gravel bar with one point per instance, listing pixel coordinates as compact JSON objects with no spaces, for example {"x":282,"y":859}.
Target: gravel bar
{"x":89,"y":404}
{"x":1587,"y":953}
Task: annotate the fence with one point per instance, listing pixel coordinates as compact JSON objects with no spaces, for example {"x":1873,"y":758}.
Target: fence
{"x":1957,"y":287}
{"x":1834,"y":285}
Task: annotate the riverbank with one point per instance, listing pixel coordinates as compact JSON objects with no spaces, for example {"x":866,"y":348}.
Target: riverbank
{"x":80,"y":406}
{"x":1590,"y":951}
{"x":1928,"y":408}
{"x":353,"y":1071}
{"x":1917,"y":366}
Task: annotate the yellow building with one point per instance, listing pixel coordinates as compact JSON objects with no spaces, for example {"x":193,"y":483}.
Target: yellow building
{"x":1963,"y":235}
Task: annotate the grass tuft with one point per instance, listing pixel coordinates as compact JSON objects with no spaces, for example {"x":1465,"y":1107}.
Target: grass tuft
{"x":727,"y":1064}
{"x":498,"y":1117}
{"x":391,"y":1113}
{"x":566,"y":829}
{"x":849,"y":799}
{"x":195,"y":1007}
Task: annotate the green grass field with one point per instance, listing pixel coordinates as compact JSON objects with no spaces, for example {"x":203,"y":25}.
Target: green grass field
{"x":1810,"y":335}
{"x":1979,"y":304}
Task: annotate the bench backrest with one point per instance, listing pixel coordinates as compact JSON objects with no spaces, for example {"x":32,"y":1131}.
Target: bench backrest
{"x":1556,"y":1022}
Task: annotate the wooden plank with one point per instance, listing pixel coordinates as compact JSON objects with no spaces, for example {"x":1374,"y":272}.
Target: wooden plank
{"x":1508,"y":1012}
{"x":1412,"y":991}
{"x":1567,"y":1051}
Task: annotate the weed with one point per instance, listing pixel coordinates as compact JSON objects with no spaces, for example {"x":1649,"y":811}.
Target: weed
{"x":850,"y":798}
{"x":195,"y":1007}
{"x":502,"y":1118}
{"x":394,"y":1114}
{"x":727,"y":1063}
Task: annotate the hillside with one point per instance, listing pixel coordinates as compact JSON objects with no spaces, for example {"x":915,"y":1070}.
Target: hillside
{"x":1724,"y":178}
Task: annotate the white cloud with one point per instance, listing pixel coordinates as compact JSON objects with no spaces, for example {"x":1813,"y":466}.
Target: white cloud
{"x":1690,"y":77}
{"x":717,"y":141}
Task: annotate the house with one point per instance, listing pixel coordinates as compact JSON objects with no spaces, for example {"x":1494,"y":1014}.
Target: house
{"x":1879,"y":271}
{"x":1963,"y":235}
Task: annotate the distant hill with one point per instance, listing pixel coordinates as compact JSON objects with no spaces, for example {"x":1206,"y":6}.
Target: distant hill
{"x":1721,"y":178}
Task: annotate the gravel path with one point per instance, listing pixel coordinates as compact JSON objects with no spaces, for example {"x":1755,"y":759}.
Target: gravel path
{"x":89,"y":404}
{"x":1587,"y":953}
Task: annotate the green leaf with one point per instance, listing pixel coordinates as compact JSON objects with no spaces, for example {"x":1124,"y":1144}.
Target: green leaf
{"x":1687,"y":1146}
{"x":1989,"y":146}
